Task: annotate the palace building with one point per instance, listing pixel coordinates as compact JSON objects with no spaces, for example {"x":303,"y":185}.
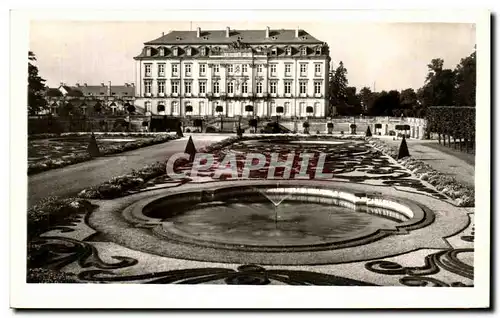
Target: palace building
{"x":233,"y":73}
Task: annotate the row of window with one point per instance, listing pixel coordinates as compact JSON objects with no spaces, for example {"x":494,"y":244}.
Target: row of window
{"x":189,"y":51}
{"x":204,"y":108}
{"x":202,"y":87}
{"x":231,"y":69}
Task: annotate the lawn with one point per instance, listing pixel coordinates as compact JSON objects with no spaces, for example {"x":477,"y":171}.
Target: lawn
{"x":49,"y":153}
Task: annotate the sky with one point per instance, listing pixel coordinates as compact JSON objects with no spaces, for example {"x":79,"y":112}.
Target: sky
{"x":382,"y":56}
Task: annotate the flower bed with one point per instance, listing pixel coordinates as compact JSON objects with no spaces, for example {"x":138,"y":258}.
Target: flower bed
{"x":59,"y":156}
{"x":53,"y":209}
{"x":462,"y":194}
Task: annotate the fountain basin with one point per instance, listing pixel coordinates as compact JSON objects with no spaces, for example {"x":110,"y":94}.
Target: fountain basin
{"x":275,"y":217}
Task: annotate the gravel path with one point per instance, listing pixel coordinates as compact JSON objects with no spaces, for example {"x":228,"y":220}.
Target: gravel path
{"x":443,"y":159}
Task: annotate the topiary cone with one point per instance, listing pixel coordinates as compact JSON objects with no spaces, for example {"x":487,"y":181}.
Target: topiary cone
{"x":92,"y":148}
{"x":179,"y":131}
{"x":368,"y":132}
{"x":403,"y":149}
{"x":190,"y":149}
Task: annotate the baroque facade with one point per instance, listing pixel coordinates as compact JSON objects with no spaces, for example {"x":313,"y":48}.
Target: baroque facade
{"x":233,"y":73}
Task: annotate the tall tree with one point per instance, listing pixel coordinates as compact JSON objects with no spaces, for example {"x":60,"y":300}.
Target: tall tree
{"x":338,"y":88}
{"x":36,"y":87}
{"x":439,"y":88}
{"x":367,"y":98}
{"x":466,"y":81}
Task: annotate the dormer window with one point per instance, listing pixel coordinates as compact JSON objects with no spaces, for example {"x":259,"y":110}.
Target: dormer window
{"x":178,"y":38}
{"x":148,"y":51}
{"x":303,"y":37}
{"x":162,"y":51}
{"x":188,"y":51}
{"x":176,"y":51}
{"x":303,"y":51}
{"x":318,"y":50}
{"x":205,"y":37}
{"x":288,"y":51}
{"x":274,"y":51}
{"x":273,"y":38}
{"x":204,"y":51}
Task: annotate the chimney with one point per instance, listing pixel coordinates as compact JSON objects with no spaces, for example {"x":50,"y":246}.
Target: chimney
{"x":108,"y":90}
{"x":102,"y":84}
{"x":227,"y":32}
{"x":297,"y":32}
{"x":133,"y":84}
{"x":85,"y":84}
{"x":61,"y":84}
{"x":163,"y":33}
{"x":77,"y":84}
{"x":198,"y":32}
{"x":267,"y":32}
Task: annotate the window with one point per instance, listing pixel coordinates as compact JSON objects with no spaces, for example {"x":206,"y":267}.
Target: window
{"x":147,"y":87}
{"x":244,"y":88}
{"x":201,"y":108}
{"x":175,"y":69}
{"x":230,"y":87}
{"x":162,"y":51}
{"x":318,"y":50}
{"x":203,"y":69}
{"x":244,"y":68}
{"x":317,"y":87}
{"x":288,"y":51}
{"x":175,"y":108}
{"x":303,"y":69}
{"x":147,"y":70}
{"x":230,"y":68}
{"x":317,"y":69}
{"x":259,"y":68}
{"x":176,"y":51}
{"x":187,"y":87}
{"x":216,"y":68}
{"x":259,"y":88}
{"x":147,"y":106}
{"x":188,"y":51}
{"x":303,"y":51}
{"x":187,"y":69}
{"x":204,"y":51}
{"x":274,"y":51}
{"x":273,"y":87}
{"x":161,"y":107}
{"x":216,"y":87}
{"x":148,"y":51}
{"x":288,"y":69}
{"x":273,"y":69}
{"x":302,"y":107}
{"x":288,"y":110}
{"x":161,"y":70}
{"x":303,"y":87}
{"x":175,"y":87}
{"x":203,"y":87}
{"x":187,"y":107}
{"x":161,"y":87}
{"x":288,"y":87}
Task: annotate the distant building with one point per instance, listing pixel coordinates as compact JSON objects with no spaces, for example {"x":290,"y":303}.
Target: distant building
{"x":91,"y":99}
{"x":234,"y":72}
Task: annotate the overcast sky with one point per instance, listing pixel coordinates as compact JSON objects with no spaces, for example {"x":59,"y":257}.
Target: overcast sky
{"x":389,"y":56}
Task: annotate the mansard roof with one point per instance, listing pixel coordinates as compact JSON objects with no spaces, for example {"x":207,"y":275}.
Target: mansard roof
{"x":247,"y":36}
